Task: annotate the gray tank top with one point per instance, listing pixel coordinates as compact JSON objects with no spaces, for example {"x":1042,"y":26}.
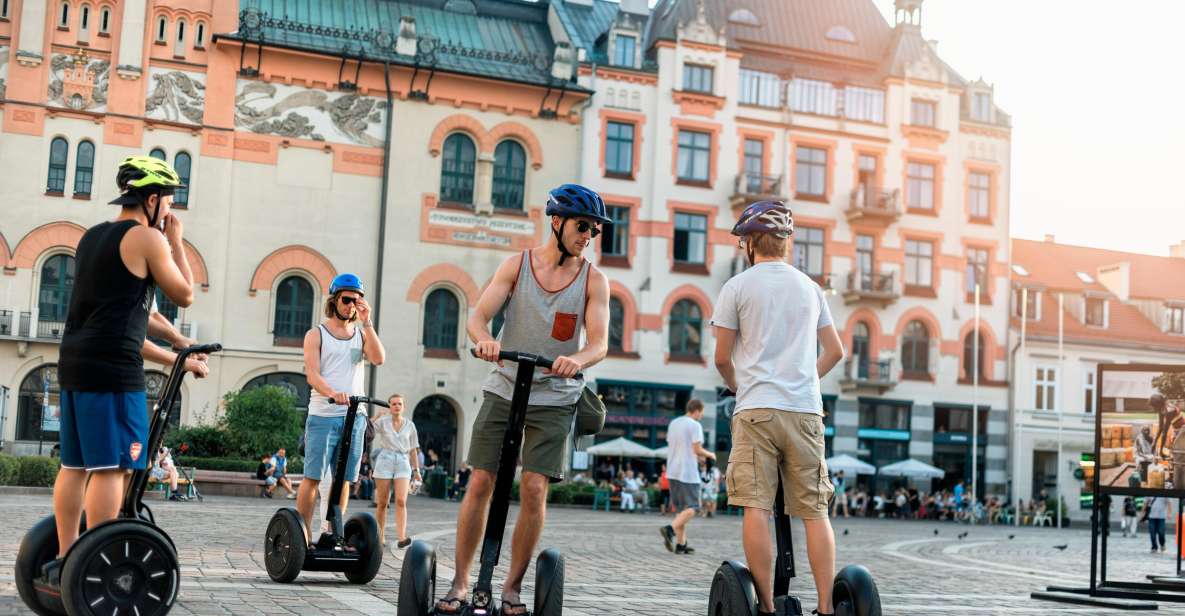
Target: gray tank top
{"x":543,"y":322}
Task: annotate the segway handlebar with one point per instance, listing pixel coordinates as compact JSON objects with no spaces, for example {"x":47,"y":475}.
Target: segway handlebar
{"x":528,"y":358}
{"x":356,"y":400}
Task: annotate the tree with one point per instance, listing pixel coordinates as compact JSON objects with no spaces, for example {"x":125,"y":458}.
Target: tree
{"x":1171,"y":385}
{"x":261,"y":420}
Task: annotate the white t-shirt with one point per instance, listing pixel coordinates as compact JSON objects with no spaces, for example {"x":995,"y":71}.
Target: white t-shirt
{"x":682,"y":463}
{"x":777,"y":312}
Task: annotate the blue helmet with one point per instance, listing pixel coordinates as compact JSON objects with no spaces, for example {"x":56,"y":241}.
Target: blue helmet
{"x":771,"y":217}
{"x":572,"y":200}
{"x":346,"y":282}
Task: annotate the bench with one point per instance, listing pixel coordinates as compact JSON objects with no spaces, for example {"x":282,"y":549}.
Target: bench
{"x":234,"y":483}
{"x":163,"y":486}
{"x":613,"y":501}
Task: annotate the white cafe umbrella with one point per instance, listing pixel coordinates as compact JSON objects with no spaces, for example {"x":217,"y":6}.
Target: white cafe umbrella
{"x":912,"y":469}
{"x":621,"y":447}
{"x":850,"y":465}
{"x":661,"y":452}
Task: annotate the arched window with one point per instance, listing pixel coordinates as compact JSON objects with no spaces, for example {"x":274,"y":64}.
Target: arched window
{"x":686,"y":326}
{"x":436,"y":423}
{"x":84,"y":168}
{"x":861,"y":349}
{"x":39,"y":407}
{"x":458,"y":160}
{"x":182,"y":164}
{"x":294,"y":383}
{"x":158,"y":153}
{"x":441,"y":312}
{"x":510,"y":171}
{"x":84,"y":18}
{"x":154,"y":382}
{"x":199,"y":39}
{"x":64,"y":16}
{"x":616,"y":325}
{"x":105,"y":20}
{"x":53,"y":295}
{"x":915,"y":349}
{"x":969,"y":357}
{"x":59,"y":151}
{"x":179,"y":45}
{"x":294,"y":311}
{"x":162,"y":26}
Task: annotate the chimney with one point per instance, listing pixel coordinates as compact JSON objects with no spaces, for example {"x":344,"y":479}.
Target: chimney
{"x":405,"y":45}
{"x":1178,"y":250}
{"x":1049,"y":238}
{"x":563,"y":62}
{"x":635,"y":7}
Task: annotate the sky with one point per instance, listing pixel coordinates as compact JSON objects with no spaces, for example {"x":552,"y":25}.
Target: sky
{"x":1097,"y":97}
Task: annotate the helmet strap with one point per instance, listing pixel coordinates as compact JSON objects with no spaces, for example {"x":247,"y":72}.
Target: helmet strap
{"x":559,"y":240}
{"x":152,"y":218}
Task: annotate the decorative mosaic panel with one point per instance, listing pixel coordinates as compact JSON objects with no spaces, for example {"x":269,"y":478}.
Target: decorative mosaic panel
{"x":305,"y":113}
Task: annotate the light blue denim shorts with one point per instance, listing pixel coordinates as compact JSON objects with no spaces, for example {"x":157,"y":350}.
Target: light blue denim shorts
{"x":322,"y":435}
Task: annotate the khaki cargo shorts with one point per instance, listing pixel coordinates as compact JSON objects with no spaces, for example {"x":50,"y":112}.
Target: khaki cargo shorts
{"x":545,"y":437}
{"x":768,"y":441}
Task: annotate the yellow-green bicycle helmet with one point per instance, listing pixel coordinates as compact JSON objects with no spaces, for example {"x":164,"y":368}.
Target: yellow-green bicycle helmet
{"x":144,"y":172}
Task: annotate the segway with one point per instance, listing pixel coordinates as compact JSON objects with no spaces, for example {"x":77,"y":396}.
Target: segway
{"x":417,"y":580}
{"x":351,"y":546}
{"x":123,"y":566}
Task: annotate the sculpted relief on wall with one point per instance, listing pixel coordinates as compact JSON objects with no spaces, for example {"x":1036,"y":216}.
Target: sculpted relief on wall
{"x":176,"y":96}
{"x":304,"y":113}
{"x":78,"y":81}
{"x":3,"y":71}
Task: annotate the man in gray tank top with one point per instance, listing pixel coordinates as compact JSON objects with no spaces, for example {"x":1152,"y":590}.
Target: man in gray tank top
{"x":549,"y":294}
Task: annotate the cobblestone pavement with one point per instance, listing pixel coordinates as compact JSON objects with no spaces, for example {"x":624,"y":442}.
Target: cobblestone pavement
{"x":616,"y":563}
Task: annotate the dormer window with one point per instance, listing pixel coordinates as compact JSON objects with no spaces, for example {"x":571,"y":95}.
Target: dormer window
{"x":1085,"y":278}
{"x":981,"y":107}
{"x":1096,"y":312}
{"x":1031,"y":310}
{"x":624,"y":50}
{"x":1174,"y":319}
{"x":841,"y":34}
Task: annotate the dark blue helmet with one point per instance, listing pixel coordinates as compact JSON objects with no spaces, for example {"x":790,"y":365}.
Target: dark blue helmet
{"x":765,"y":217}
{"x":346,"y":282}
{"x":572,"y":200}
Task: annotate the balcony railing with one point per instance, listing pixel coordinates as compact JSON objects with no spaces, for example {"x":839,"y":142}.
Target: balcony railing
{"x":50,"y":330}
{"x":751,"y":187}
{"x":874,"y":206}
{"x":863,"y":373}
{"x":6,"y":323}
{"x":25,"y":325}
{"x":871,"y":287}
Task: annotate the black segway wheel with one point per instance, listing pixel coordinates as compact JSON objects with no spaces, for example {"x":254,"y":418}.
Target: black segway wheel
{"x":284,"y":546}
{"x":733,"y":593}
{"x":417,"y":580}
{"x":854,"y":593}
{"x":549,"y":583}
{"x":362,"y":533}
{"x":121,"y":567}
{"x":39,"y":546}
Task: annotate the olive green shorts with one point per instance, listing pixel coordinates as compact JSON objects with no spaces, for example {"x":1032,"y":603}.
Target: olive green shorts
{"x":545,"y":437}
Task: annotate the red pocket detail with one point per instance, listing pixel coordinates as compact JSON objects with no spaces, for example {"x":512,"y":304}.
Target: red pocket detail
{"x":564,"y":326}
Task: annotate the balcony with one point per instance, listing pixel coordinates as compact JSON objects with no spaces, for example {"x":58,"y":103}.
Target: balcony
{"x":867,"y":287}
{"x":861,"y":374}
{"x":879,"y":208}
{"x":50,"y":330}
{"x":6,"y":323}
{"x":749,"y":188}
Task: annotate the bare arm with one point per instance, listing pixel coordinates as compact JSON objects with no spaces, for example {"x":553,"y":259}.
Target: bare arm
{"x":596,"y":322}
{"x":160,"y":327}
{"x":832,"y":350}
{"x":700,"y":451}
{"x":166,"y":261}
{"x":371,"y":345}
{"x":488,"y":305}
{"x":157,"y":355}
{"x":725,"y":340}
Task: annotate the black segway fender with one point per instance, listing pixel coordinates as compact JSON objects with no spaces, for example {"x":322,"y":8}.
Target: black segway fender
{"x":549,"y":583}
{"x":362,"y":533}
{"x":733,"y":592}
{"x":417,"y":580}
{"x":122,"y":566}
{"x":39,"y":546}
{"x":854,"y":593}
{"x":136,"y":521}
{"x":284,"y":546}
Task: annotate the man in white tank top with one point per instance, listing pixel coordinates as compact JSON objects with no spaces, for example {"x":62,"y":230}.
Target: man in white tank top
{"x":333,"y":353}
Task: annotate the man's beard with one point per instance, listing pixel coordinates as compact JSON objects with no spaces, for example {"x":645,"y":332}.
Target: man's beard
{"x":350,"y":319}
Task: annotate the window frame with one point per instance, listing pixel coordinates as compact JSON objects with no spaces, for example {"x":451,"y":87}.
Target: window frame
{"x":617,"y":145}
{"x":163,"y":155}
{"x":968,"y":352}
{"x":181,"y":197}
{"x":983,"y":114}
{"x":162,"y":30}
{"x":699,"y":78}
{"x":1050,"y":398}
{"x":916,"y":263}
{"x":64,"y":16}
{"x":979,"y":195}
{"x":690,"y":233}
{"x":759,"y":88}
{"x":620,"y":346}
{"x":66,"y":288}
{"x":916,"y":344}
{"x":1174,"y":319}
{"x":802,"y":250}
{"x":55,"y":183}
{"x":296,"y":322}
{"x":693,"y":151}
{"x":199,"y":38}
{"x":508,"y":176}
{"x":694,"y":315}
{"x":753,"y":164}
{"x":616,"y":233}
{"x":810,"y":167}
{"x":923,"y":112}
{"x":435,"y":341}
{"x":84,"y":177}
{"x":104,"y":21}
{"x":465,"y":175}
{"x":1101,"y":304}
{"x":1089,"y":389}
{"x":973,"y":252}
{"x":618,"y":58}
{"x":84,"y":20}
{"x":917,"y":181}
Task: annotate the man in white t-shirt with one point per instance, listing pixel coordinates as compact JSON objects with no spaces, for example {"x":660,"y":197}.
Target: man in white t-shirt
{"x":770,"y":321}
{"x":685,"y":446}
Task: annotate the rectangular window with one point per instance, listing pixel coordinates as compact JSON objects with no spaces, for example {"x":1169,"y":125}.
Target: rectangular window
{"x":811,"y":171}
{"x":1088,"y":389}
{"x":623,"y":50}
{"x":977,"y":264}
{"x":754,"y":166}
{"x":808,"y":250}
{"x":920,"y":186}
{"x":697,"y":78}
{"x":691,"y":238}
{"x":1045,"y":388}
{"x":884,"y":415}
{"x":760,"y":88}
{"x":866,"y":104}
{"x":1096,"y":311}
{"x":619,"y":148}
{"x":979,"y":197}
{"x":695,"y":150}
{"x":919,"y":263}
{"x":981,"y":107}
{"x":921,"y":113}
{"x":810,"y":96}
{"x":1030,"y":309}
{"x":1175,"y":320}
{"x":615,"y":239}
{"x":958,"y":420}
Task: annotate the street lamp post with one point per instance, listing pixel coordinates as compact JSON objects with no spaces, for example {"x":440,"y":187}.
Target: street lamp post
{"x":975,"y":407}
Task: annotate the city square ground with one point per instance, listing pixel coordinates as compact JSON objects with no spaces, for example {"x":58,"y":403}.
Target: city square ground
{"x":616,"y":563}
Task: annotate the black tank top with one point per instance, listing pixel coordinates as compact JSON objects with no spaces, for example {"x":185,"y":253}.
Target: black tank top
{"x":108,"y":318}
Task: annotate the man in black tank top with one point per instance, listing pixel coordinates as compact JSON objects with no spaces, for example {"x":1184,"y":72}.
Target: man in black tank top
{"x":104,"y":422}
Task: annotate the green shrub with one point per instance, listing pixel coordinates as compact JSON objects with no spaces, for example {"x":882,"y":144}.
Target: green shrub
{"x":262,"y":420}
{"x":36,"y":471}
{"x":8,"y":469}
{"x":200,"y":441}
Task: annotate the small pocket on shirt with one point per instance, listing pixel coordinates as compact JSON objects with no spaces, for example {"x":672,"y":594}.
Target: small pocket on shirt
{"x":563,"y":327}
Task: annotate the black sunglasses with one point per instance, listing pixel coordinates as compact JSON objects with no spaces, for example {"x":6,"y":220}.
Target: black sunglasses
{"x":347,"y":300}
{"x":583,"y":226}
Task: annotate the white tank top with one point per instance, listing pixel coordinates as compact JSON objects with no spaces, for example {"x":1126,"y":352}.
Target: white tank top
{"x":341,"y":367}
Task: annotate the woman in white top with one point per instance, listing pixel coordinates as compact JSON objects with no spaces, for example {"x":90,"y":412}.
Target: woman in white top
{"x":395,"y":452}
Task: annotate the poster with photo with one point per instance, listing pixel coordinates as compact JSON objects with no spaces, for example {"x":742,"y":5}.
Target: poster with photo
{"x":1140,"y":435}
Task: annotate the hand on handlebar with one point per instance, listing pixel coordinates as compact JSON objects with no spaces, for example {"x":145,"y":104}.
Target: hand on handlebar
{"x":340,"y":398}
{"x":197,"y":366}
{"x":488,"y":350}
{"x":564,"y":366}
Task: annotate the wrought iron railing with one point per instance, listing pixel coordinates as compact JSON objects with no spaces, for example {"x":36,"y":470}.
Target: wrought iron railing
{"x":25,"y":324}
{"x":50,"y":329}
{"x":6,"y":324}
{"x":861,"y":369}
{"x":753,"y":185}
{"x":870,"y":282}
{"x":875,"y":201}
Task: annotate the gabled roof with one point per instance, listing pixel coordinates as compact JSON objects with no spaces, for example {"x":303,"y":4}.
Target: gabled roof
{"x":586,"y":24}
{"x":908,"y":47}
{"x":803,"y":24}
{"x":667,"y":15}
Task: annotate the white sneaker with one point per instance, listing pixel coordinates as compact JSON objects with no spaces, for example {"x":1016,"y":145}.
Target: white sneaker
{"x":291,"y":496}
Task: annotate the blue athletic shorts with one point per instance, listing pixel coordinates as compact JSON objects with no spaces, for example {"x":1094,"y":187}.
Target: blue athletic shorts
{"x":105,"y":430}
{"x":322,"y":435}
